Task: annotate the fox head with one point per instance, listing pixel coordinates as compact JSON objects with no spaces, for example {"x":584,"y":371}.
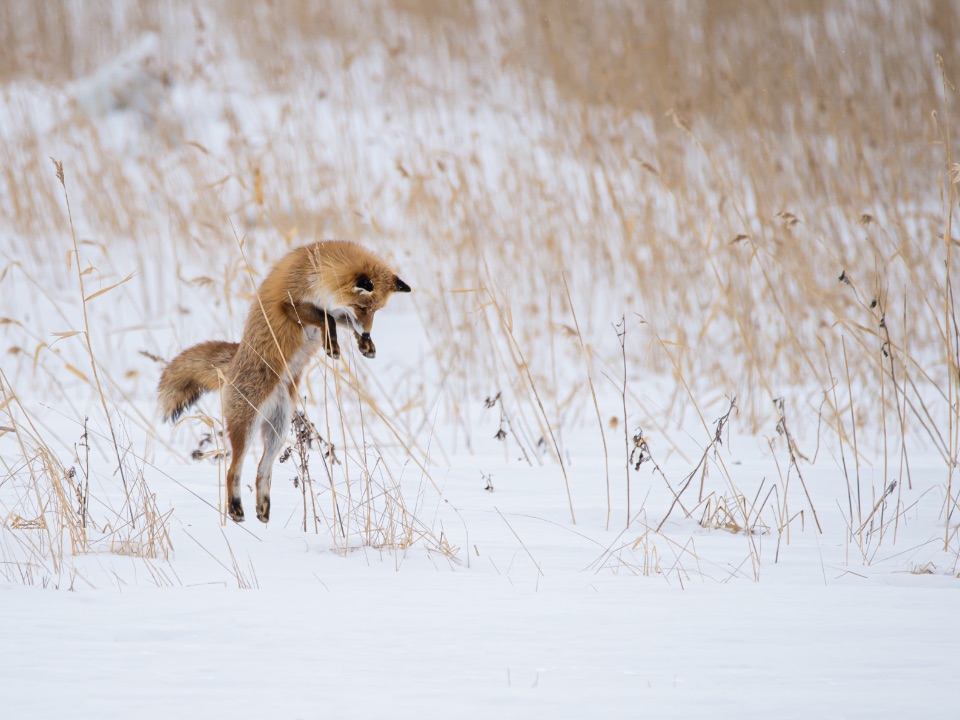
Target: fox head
{"x":352,"y":283}
{"x":368,"y":296}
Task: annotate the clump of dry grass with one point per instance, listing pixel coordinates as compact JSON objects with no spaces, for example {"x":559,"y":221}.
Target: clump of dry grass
{"x":50,"y":519}
{"x":46,"y":519}
{"x":51,"y":515}
{"x":370,"y":503}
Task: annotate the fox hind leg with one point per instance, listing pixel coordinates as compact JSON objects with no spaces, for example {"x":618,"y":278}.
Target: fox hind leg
{"x":274,"y":426}
{"x":237,"y":434}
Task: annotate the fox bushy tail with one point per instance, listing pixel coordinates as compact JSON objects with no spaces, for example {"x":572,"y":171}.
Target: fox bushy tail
{"x":192,"y":373}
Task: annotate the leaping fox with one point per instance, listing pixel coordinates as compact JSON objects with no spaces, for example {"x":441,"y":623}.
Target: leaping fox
{"x":297,"y":309}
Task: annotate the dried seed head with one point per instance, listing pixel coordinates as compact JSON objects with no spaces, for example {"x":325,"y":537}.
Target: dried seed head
{"x":59,"y":166}
{"x":787,"y":219}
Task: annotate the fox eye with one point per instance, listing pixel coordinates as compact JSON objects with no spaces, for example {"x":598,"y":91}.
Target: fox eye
{"x":364,"y":284}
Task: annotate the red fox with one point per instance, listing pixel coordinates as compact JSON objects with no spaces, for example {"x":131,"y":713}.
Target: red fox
{"x":297,"y":309}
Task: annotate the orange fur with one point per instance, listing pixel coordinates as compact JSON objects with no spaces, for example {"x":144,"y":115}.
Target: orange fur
{"x":298,"y":306}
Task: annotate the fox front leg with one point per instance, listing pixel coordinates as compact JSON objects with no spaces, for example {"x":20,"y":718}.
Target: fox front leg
{"x":305,"y":313}
{"x":365,"y":345}
{"x":330,"y":343}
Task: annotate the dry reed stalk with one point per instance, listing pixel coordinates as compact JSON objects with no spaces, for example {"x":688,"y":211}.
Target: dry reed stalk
{"x":950,"y":320}
{"x":593,"y":394}
{"x":853,"y":430}
{"x":84,"y":299}
{"x":524,"y":368}
{"x":621,"y":330}
{"x":794,"y":453}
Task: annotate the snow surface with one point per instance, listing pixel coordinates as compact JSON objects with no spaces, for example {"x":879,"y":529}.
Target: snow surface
{"x":527,"y":630}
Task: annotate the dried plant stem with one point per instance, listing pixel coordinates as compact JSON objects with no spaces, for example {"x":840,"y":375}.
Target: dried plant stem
{"x":853,"y":424}
{"x":85,"y":500}
{"x":791,"y":446}
{"x":334,"y":502}
{"x":522,"y":544}
{"x":621,"y":330}
{"x":949,"y":321}
{"x":86,"y":335}
{"x":367,"y":489}
{"x":841,"y":435}
{"x":525,"y":366}
{"x":338,"y":390}
{"x":898,"y":390}
{"x":593,"y":394}
{"x":701,"y":466}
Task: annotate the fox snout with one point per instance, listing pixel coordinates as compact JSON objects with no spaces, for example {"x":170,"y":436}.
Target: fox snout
{"x":361,"y":319}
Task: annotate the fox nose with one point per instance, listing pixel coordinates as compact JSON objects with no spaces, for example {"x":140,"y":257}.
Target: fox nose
{"x":365,"y":336}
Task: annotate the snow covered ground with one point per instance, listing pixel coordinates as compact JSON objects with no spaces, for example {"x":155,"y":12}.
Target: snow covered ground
{"x":489,"y":541}
{"x":537,"y":617}
{"x":518,"y":611}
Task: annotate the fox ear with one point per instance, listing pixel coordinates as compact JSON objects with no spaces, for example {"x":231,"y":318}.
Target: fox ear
{"x":363,"y":285}
{"x":401,"y":286}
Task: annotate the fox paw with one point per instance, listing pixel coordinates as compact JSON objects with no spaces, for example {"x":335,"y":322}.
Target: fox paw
{"x":263,"y":510}
{"x":365,"y":346}
{"x":333,"y":349}
{"x":235,"y":510}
